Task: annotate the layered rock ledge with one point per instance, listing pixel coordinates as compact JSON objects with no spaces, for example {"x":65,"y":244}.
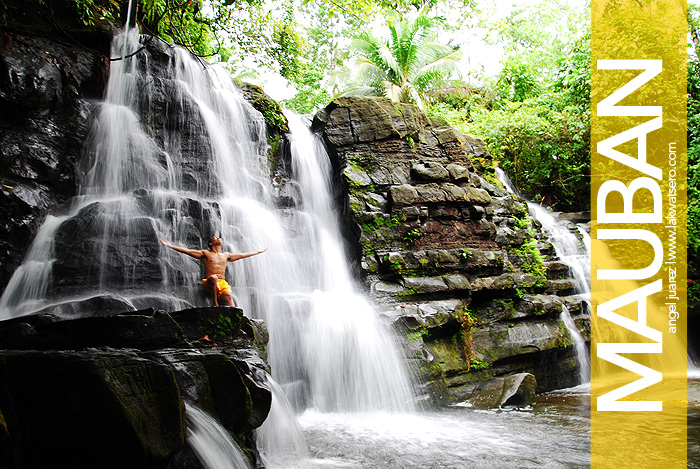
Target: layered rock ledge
{"x":454,"y":260}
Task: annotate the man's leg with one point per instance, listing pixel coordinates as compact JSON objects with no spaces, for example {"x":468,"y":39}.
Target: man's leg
{"x":227,"y":298}
{"x":212,"y":288}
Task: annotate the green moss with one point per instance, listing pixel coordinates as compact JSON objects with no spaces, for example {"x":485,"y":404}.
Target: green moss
{"x":415,"y":336}
{"x":274,"y":140}
{"x":380,"y":222}
{"x":406,"y":292}
{"x":272,"y":113}
{"x":533,"y":263}
{"x":506,"y":304}
{"x":366,"y":162}
{"x":356,"y":206}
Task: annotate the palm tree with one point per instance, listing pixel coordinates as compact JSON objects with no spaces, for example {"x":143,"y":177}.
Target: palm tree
{"x":406,"y":65}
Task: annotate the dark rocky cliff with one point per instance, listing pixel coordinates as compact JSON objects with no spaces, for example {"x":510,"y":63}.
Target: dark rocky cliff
{"x":451,"y":258}
{"x":110,"y":391}
{"x":51,"y":68}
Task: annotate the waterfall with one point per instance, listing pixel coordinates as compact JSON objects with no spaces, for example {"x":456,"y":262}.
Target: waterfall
{"x":279,"y":438}
{"x":26,"y":289}
{"x":570,"y":249}
{"x":579,"y":344}
{"x":575,"y":253}
{"x":184,"y":167}
{"x":180,"y":155}
{"x":346,"y":347}
{"x":211,"y":442}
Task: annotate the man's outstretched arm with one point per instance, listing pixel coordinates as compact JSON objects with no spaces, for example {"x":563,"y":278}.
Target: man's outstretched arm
{"x":234,"y":257}
{"x":196,"y":253}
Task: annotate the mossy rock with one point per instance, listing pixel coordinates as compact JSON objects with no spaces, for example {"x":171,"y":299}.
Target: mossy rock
{"x":218,"y":323}
{"x":270,"y":109}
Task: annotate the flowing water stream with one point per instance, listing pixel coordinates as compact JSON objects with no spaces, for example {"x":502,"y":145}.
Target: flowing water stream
{"x":190,"y":165}
{"x":575,"y":252}
{"x":212,"y":443}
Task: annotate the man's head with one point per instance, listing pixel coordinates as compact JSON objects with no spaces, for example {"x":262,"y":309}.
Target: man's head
{"x":214,"y":241}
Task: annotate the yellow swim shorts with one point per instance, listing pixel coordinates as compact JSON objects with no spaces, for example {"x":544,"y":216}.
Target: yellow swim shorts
{"x":222,"y":286}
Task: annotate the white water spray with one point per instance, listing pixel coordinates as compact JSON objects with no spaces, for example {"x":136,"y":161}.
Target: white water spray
{"x":211,"y":442}
{"x":280,"y":440}
{"x":579,"y":344}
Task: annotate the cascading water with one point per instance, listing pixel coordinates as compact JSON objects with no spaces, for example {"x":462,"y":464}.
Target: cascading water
{"x":179,"y":154}
{"x":575,"y":253}
{"x":279,"y":438}
{"x":211,"y":442}
{"x":579,"y":344}
{"x":143,"y":183}
{"x":346,"y":348}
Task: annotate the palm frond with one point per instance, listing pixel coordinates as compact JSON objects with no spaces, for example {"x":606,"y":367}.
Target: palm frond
{"x":392,"y":91}
{"x":432,"y":51}
{"x":442,"y":65}
{"x":411,"y":95}
{"x":361,"y":90}
{"x":378,"y":53}
{"x":408,"y":63}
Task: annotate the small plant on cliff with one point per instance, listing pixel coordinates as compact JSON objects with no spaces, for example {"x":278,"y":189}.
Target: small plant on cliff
{"x":467,"y":322}
{"x":533,"y":263}
{"x":380,"y":222}
{"x":412,"y":236}
{"x":221,"y":327}
{"x":523,"y":224}
{"x":465,"y":254}
{"x":476,"y":364}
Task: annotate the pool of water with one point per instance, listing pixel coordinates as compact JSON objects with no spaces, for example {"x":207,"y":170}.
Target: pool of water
{"x":553,"y":433}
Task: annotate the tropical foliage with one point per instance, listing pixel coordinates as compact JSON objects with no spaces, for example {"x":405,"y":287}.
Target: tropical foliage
{"x":536,"y":125}
{"x":407,"y":64}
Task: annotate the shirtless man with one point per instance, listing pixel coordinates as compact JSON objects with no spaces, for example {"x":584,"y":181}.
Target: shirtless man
{"x":214,"y":261}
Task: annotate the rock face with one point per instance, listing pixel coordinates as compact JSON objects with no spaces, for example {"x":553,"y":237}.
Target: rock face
{"x":452,"y":258}
{"x":47,"y":82}
{"x":50,"y":92}
{"x":111,"y":390}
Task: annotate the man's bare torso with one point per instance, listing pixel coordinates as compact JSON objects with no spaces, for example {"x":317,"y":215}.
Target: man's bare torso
{"x":214,"y":263}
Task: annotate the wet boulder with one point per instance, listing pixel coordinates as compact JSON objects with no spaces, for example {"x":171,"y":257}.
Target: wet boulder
{"x":513,"y":390}
{"x":109,"y":408}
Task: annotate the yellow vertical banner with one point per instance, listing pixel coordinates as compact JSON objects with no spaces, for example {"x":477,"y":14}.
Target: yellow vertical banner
{"x":638,"y":233}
